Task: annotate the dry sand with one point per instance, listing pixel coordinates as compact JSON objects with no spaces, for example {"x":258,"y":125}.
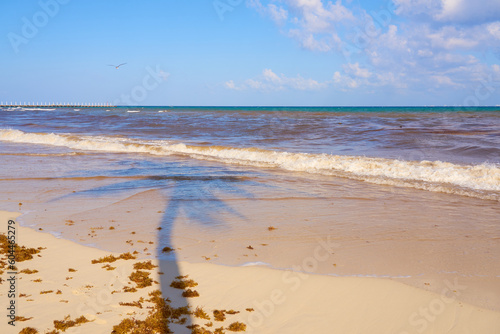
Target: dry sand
{"x":282,"y":301}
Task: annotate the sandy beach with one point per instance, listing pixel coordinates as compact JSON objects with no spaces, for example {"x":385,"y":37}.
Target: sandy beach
{"x":67,"y":283}
{"x":257,"y":166}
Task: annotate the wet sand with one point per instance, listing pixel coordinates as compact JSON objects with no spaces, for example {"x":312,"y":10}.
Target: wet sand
{"x":415,"y":237}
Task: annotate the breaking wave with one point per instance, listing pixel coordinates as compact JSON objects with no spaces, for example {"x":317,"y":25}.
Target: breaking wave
{"x":481,"y":180}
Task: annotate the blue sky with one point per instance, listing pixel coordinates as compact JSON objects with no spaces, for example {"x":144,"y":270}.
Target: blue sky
{"x":251,"y":52}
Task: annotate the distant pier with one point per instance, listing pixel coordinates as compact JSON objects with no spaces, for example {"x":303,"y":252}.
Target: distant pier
{"x":55,"y":105}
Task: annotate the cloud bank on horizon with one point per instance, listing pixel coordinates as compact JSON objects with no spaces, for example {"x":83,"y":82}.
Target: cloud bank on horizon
{"x":403,"y":44}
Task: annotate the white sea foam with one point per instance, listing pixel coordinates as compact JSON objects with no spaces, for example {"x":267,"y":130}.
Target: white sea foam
{"x":482,"y":180}
{"x":38,"y":109}
{"x":257,"y":263}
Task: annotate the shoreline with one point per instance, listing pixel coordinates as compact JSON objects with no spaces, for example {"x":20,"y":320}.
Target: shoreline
{"x":283,"y":301}
{"x":423,"y":250}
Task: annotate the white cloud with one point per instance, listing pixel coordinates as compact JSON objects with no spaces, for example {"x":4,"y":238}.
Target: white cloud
{"x":345,"y":80}
{"x":278,"y":14}
{"x":312,"y":23}
{"x":357,"y":71}
{"x":272,"y":77}
{"x":466,"y":11}
{"x":316,"y":23}
{"x":417,"y":7}
{"x":451,"y":11}
{"x":494,"y":29}
{"x":443,"y":80}
{"x":425,"y":53}
{"x":451,"y":38}
{"x":270,"y":81}
{"x":316,"y":17}
{"x":423,"y":44}
{"x":354,"y":76}
{"x":230,"y":85}
{"x":308,"y":41}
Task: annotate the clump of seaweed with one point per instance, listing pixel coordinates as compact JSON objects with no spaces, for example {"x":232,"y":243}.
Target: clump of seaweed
{"x":219,"y":315}
{"x":28,"y":330}
{"x":141,"y":278}
{"x":22,"y":318}
{"x":237,"y":327}
{"x":200,"y":330}
{"x":28,"y":271}
{"x":129,"y":289}
{"x":190,"y":293}
{"x":159,"y":317}
{"x":199,"y":313}
{"x":63,"y":325}
{"x":167,"y":250}
{"x":71,"y":270}
{"x":112,"y":258}
{"x":232,"y":312}
{"x":181,"y":282}
{"x":127,"y":256}
{"x":272,"y":228}
{"x":147,"y":265}
{"x":109,"y":258}
{"x":46,"y":291}
{"x":21,"y":253}
{"x":135,"y":304}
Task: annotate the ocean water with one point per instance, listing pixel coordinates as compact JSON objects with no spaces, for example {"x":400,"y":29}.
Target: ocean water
{"x":437,"y":149}
{"x":406,"y":193}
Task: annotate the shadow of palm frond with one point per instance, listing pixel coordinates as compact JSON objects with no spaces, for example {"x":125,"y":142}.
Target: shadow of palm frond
{"x":201,"y":198}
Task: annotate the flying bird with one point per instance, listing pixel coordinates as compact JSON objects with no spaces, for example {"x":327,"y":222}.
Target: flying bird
{"x":117,"y":66}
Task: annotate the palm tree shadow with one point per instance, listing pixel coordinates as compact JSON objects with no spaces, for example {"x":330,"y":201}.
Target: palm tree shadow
{"x":198,"y":198}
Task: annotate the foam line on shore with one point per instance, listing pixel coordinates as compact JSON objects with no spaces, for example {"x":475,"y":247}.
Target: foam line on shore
{"x":481,"y":180}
